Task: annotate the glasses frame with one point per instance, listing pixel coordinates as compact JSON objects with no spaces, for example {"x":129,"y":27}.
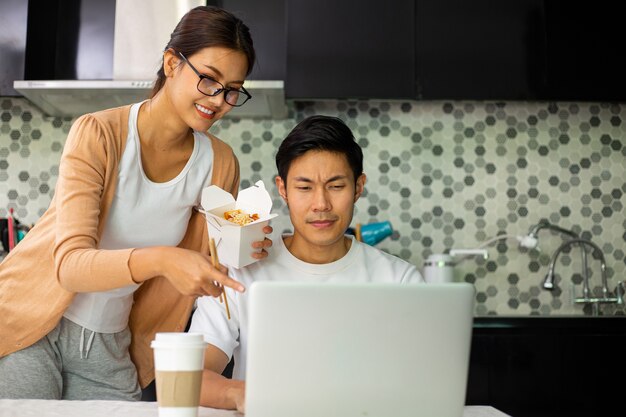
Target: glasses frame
{"x":222,"y":88}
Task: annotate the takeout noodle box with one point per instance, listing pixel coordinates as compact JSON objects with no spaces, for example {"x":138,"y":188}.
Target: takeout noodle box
{"x":232,"y":241}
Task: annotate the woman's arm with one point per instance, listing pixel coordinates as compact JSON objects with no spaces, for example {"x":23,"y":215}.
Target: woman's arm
{"x":190,"y":272}
{"x":87,"y":178}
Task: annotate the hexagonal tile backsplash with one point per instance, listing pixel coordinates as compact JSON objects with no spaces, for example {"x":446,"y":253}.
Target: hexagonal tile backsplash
{"x":446,"y":174}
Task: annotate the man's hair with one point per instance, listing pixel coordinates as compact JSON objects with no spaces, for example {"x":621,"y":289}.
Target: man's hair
{"x":319,"y":133}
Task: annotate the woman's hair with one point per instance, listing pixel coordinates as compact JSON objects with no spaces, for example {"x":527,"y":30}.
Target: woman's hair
{"x":319,"y":133}
{"x":207,"y":26}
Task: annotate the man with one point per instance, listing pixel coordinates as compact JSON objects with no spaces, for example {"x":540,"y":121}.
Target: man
{"x":320,"y":177}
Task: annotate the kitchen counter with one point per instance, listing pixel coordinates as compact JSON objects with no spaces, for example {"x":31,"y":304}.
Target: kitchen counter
{"x":53,"y":408}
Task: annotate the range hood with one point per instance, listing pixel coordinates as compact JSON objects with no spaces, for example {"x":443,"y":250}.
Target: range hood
{"x":140,"y":30}
{"x":70,"y":98}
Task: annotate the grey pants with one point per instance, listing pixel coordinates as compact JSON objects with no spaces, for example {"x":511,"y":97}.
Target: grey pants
{"x":72,"y":363}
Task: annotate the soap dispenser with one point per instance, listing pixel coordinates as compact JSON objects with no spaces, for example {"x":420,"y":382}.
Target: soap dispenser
{"x":439,"y":267}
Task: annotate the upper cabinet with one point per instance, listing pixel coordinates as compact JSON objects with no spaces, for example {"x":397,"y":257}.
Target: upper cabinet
{"x":266,"y":21}
{"x":584,"y":47}
{"x":520,"y":50}
{"x":439,"y":49}
{"x":350,"y":49}
{"x":480,"y":49}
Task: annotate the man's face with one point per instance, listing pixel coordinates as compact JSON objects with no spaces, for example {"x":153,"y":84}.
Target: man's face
{"x":320,"y":192}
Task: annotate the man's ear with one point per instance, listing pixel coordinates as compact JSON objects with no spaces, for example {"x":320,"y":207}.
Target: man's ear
{"x":282,"y":188}
{"x":171,"y":61}
{"x":360,"y":186}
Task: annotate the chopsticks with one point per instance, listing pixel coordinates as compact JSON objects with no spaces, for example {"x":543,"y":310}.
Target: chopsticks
{"x":216,"y":263}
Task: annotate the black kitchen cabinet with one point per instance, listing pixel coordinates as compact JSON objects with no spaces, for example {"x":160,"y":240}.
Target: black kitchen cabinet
{"x":521,"y":50}
{"x":593,"y":369}
{"x":480,"y":49}
{"x":548,"y":366}
{"x":439,"y":49}
{"x":350,"y":49}
{"x":266,"y":21}
{"x":584,"y":43}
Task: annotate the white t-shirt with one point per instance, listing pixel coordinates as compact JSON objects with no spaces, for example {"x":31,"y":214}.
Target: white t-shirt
{"x":362,"y":263}
{"x":143,"y":214}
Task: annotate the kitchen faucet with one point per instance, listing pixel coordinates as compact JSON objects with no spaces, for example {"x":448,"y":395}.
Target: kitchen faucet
{"x":530,"y":241}
{"x":607,"y":296}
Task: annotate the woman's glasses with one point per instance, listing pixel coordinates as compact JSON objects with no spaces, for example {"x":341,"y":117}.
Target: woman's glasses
{"x":210,"y":87}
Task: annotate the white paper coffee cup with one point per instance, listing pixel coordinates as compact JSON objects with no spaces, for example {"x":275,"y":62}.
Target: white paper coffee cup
{"x":178,"y":362}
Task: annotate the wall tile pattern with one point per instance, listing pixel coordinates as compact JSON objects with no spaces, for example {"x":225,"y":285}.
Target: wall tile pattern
{"x":446,"y":174}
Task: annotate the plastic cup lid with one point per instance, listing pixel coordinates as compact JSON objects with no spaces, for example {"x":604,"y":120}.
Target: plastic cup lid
{"x":178,"y":340}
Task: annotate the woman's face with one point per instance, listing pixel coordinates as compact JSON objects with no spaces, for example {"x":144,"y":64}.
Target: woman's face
{"x":195,"y":109}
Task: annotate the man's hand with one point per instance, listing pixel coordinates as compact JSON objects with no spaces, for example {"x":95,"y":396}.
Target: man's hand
{"x":237,"y":395}
{"x":263,"y":244}
{"x":218,"y":391}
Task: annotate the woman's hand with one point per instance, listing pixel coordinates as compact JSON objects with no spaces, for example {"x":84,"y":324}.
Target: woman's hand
{"x":190,"y":272}
{"x":263,"y":244}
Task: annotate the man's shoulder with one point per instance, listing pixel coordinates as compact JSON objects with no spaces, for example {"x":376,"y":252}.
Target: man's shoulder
{"x":384,"y":264}
{"x":379,"y":254}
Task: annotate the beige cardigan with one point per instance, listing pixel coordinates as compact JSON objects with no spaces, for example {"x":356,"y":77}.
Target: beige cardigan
{"x":59,"y":256}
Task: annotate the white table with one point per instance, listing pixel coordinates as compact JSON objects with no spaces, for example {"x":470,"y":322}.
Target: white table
{"x":53,"y":408}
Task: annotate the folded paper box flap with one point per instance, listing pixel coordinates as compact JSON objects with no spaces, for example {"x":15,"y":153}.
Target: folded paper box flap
{"x":232,"y":241}
{"x":214,"y":197}
{"x":256,"y":197}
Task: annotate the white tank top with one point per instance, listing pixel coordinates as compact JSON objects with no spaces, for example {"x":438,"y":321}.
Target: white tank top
{"x":143,"y":214}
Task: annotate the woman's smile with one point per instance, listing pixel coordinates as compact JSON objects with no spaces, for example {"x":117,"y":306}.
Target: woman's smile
{"x":205,"y":112}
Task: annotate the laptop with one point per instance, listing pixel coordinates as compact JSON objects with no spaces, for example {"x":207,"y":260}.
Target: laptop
{"x":358,"y":350}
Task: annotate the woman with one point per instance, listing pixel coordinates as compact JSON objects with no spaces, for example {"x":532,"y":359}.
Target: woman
{"x":121,"y":250}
